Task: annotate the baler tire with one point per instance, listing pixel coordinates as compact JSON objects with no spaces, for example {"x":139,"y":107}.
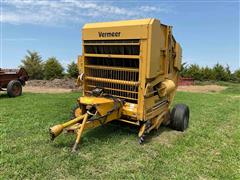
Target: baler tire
{"x":14,"y":88}
{"x":179,"y":117}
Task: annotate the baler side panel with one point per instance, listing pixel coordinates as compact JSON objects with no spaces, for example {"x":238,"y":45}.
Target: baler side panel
{"x":142,"y":75}
{"x":154,"y":53}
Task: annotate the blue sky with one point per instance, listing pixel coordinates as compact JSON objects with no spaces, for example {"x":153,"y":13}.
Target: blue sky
{"x":208,"y":31}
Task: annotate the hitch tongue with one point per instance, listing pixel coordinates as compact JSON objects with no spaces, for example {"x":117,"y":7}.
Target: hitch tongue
{"x":57,"y":129}
{"x":104,"y":110}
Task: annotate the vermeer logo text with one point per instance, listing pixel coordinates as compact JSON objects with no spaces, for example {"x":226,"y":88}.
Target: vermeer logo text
{"x":109,"y":34}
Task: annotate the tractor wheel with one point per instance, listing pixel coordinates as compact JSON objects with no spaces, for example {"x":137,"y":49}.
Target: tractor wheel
{"x":179,"y":117}
{"x":14,"y":88}
{"x":76,"y":111}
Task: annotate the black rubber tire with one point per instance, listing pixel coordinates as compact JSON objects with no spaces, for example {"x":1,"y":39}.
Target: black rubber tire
{"x":179,"y":117}
{"x":14,"y":88}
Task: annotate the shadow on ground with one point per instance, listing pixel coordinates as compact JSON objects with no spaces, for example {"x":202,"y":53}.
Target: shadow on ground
{"x":119,"y":131}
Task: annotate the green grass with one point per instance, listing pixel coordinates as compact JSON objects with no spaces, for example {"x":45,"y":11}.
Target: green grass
{"x":209,"y":149}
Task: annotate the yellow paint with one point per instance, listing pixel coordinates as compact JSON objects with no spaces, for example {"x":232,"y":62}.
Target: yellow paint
{"x":130,"y":109}
{"x":78,"y":112}
{"x":168,"y":86}
{"x":57,"y":129}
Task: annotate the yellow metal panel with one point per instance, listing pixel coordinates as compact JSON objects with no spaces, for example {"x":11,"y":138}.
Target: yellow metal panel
{"x":156,"y":112}
{"x":134,"y":32}
{"x":130,"y":109}
{"x":109,"y":44}
{"x":103,"y":105}
{"x":112,"y":68}
{"x":178,"y":58}
{"x":150,"y":102}
{"x":142,"y":78}
{"x":80,"y":64}
{"x":112,"y":56}
{"x":133,"y":83}
{"x":127,"y":23}
{"x":154,"y":40}
{"x":132,"y":29}
{"x":91,"y":100}
{"x":130,"y":122}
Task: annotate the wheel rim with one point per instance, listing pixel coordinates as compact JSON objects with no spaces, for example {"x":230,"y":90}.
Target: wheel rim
{"x":16,"y":89}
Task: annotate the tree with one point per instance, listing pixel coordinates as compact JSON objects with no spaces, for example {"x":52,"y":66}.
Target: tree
{"x":72,"y":70}
{"x":195,"y":72}
{"x":32,"y":63}
{"x":207,"y":73}
{"x":217,"y":73}
{"x":53,"y":69}
{"x":220,"y":73}
{"x":184,"y":69}
{"x":228,"y":73}
{"x":236,"y":75}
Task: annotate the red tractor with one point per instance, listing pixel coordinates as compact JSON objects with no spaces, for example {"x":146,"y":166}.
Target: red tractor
{"x":12,"y":80}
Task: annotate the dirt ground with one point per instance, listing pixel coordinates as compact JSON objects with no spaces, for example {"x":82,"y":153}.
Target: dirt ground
{"x":68,"y":85}
{"x":51,"y":86}
{"x":201,"y":89}
{"x":45,"y":90}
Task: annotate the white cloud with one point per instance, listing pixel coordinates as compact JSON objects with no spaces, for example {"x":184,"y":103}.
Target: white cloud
{"x":148,"y":8}
{"x":48,"y":12}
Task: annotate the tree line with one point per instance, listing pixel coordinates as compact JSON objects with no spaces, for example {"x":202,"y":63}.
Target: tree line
{"x":52,"y":68}
{"x":217,"y":73}
{"x":49,"y":69}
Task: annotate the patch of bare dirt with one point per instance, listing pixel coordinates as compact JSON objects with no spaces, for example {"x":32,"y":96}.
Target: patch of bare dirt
{"x":51,"y":86}
{"x":201,"y":89}
{"x":166,"y":137}
{"x":45,"y":90}
{"x":66,"y":83}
